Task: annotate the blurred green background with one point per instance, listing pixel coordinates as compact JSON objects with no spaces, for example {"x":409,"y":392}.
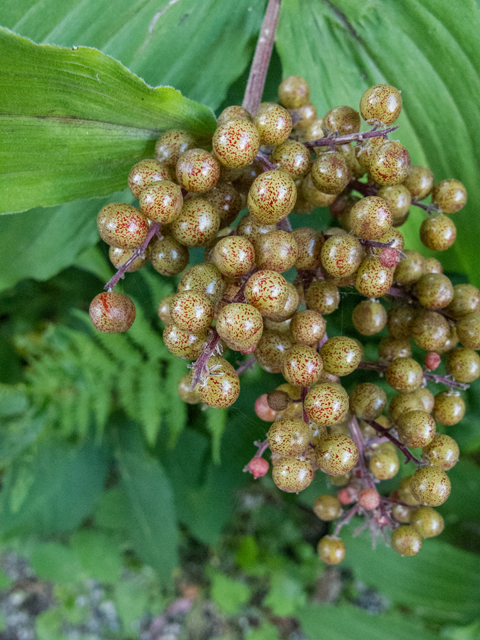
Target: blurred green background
{"x":107,"y":477}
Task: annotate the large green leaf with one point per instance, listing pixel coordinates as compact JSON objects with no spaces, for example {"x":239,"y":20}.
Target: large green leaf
{"x":51,"y":488}
{"x":427,"y":48}
{"x":151,"y":521}
{"x":441,"y":582}
{"x":347,"y":622}
{"x":74,"y":121}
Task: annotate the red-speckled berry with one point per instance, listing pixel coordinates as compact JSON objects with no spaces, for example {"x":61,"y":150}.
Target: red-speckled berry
{"x":371,"y":217}
{"x":389,"y":163}
{"x":367,"y":401}
{"x":410,"y":269}
{"x":226,"y":200}
{"x":267,"y":291}
{"x":273,"y":123}
{"x":442,"y":452}
{"x":234,"y":256}
{"x":434,"y":290}
{"x":183,"y":344}
{"x":145,"y":173}
{"x":430,"y":486}
{"x":336,"y":454}
{"x":196,"y":224}
{"x":119,"y":256}
{"x":112,"y":312}
{"x":341,"y":255}
{"x":430,"y":330}
{"x":372,"y":279}
{"x":404,"y":374}
{"x":309,"y":192}
{"x":330,"y":173}
{"x":271,"y":350}
{"x":341,"y":355}
{"x":449,"y":195}
{"x":466,"y":299}
{"x":382,"y":103}
{"x":303,"y":117}
{"x":168,"y":256}
{"x":236,"y":143}
{"x":449,"y":407}
{"x":292,"y":474}
{"x":463,"y":364}
{"x":293,"y":157}
{"x":197,"y":170}
{"x":205,"y":278}
{"x":307,"y":327}
{"x":294,"y":92}
{"x":271,"y":197}
{"x":222,"y":386}
{"x":390,"y":348}
{"x":406,"y":540}
{"x":369,"y":317}
{"x":171,"y":145}
{"x":192,"y":311}
{"x":331,"y":550}
{"x":302,"y":366}
{"x":289,"y":437}
{"x":233,"y":112}
{"x":419,"y":181}
{"x":161,"y":202}
{"x":122,"y":225}
{"x":416,"y":428}
{"x":384,"y":464}
{"x":276,"y":251}
{"x":438,"y":232}
{"x":309,"y":246}
{"x":468,"y":329}
{"x":342,"y":120}
{"x":327,"y":404}
{"x":399,"y":200}
{"x":322,"y":296}
{"x":240,"y":326}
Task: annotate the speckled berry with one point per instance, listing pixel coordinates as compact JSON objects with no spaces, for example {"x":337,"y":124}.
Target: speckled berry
{"x":309,"y":192}
{"x":171,"y":145}
{"x":400,"y":320}
{"x":240,"y":326}
{"x":322,"y":296}
{"x":466,"y":299}
{"x":442,"y":452}
{"x":428,"y":522}
{"x":410,"y":269}
{"x":302,"y":366}
{"x":289,"y":308}
{"x":384,"y":463}
{"x":341,"y":255}
{"x":438,"y":232}
{"x":307,"y":327}
{"x":118,"y":256}
{"x":405,"y":492}
{"x":404,"y":374}
{"x":309,"y":247}
{"x":434,"y":290}
{"x":341,"y":355}
{"x":367,"y":401}
{"x":294,"y":92}
{"x":192,"y":311}
{"x":197,"y":170}
{"x":205,"y":278}
{"x":183,"y":344}
{"x":449,"y":407}
{"x":233,"y":112}
{"x":342,"y":120}
{"x":371,"y":217}
{"x":463,"y":364}
{"x":431,"y":486}
{"x":271,"y":197}
{"x":234,"y":256}
{"x":449,"y":195}
{"x":430,"y":330}
{"x":336,"y":454}
{"x":389,"y":164}
{"x":196,"y":224}
{"x":289,"y":437}
{"x":161,"y":202}
{"x":406,"y":540}
{"x":365,"y":150}
{"x":390,"y":348}
{"x":168,"y":256}
{"x":399,"y":200}
{"x":369,"y":317}
{"x":236,"y":143}
{"x":372,"y":279}
{"x":273,"y":123}
{"x":147,"y":172}
{"x":416,"y":428}
{"x":302,"y":118}
{"x":221,"y":387}
{"x":121,"y":225}
{"x":382,"y":103}
{"x":327,"y":404}
{"x":468,"y":330}
{"x":267,"y":291}
{"x":112,"y":312}
{"x":419,"y":181}
{"x":330,"y":173}
{"x":403,"y":403}
{"x":291,"y":474}
{"x":226,"y":200}
{"x":276,"y":251}
{"x":293,"y":157}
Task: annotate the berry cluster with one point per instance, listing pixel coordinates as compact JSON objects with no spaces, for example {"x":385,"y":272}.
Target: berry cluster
{"x":282,"y":159}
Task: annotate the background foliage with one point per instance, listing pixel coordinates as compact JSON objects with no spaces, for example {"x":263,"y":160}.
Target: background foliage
{"x":105,"y":472}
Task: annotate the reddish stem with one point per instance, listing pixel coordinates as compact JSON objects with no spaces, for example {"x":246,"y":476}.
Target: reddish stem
{"x":357,"y":437}
{"x":266,"y":162}
{"x":303,"y":395}
{"x":346,"y":519}
{"x":332,"y":141}
{"x":369,"y":190}
{"x":261,"y":59}
{"x":409,"y":457}
{"x":246,"y":364}
{"x":199,"y":367}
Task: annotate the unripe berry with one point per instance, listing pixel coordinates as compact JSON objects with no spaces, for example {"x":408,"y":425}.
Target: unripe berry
{"x":371,"y":217}
{"x":341,"y":355}
{"x":430,"y":486}
{"x":416,"y":428}
{"x":399,"y":199}
{"x":382,"y":103}
{"x":341,"y":255}
{"x":276,"y":251}
{"x":406,"y":540}
{"x":403,"y":403}
{"x":399,"y":321}
{"x":419,"y":181}
{"x":119,"y":256}
{"x":367,"y":401}
{"x":410,"y":269}
{"x":438,"y":232}
{"x":170,"y":146}
{"x":405,"y":492}
{"x":372,"y":279}
{"x":327,"y":404}
{"x":271,"y":197}
{"x":309,"y":247}
{"x":463,"y":365}
{"x":236,"y":143}
{"x":466,"y":299}
{"x":384,"y":464}
{"x":226,"y":201}
{"x":234,"y":256}
{"x":404,"y":374}
{"x":322,"y":296}
{"x":185,"y":390}
{"x":434,"y":290}
{"x":271,"y":350}
{"x":291,"y":474}
{"x":122,"y":225}
{"x":197,"y":223}
{"x":307,"y":327}
{"x":183,"y":344}
{"x":273,"y":123}
{"x":294,"y":158}
{"x":390,"y":348}
{"x":468,"y":329}
{"x":168,"y":256}
{"x":221,"y":388}
{"x":390,"y":163}
{"x":112,"y":312}
{"x":262,"y":409}
{"x":192,"y":311}
{"x":449,"y":408}
{"x":161,"y":202}
{"x":369,"y":317}
{"x":267,"y":291}
{"x":428,"y":522}
{"x":342,"y":120}
{"x":197,"y":170}
{"x":449,"y":195}
{"x":164,"y":308}
{"x":309,"y":192}
{"x":302,"y":366}
{"x":430,"y":330}
{"x":205,"y":278}
{"x":331,"y":550}
{"x":289,"y":437}
{"x":233,"y":112}
{"x":442,"y":452}
{"x":327,"y":507}
{"x":147,"y":172}
{"x":240,"y":326}
{"x":330,"y":173}
{"x":294,"y":92}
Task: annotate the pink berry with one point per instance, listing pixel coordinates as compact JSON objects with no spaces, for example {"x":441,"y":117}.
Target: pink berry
{"x":389,"y":258}
{"x":262,"y":409}
{"x":347,"y":495}
{"x":258,"y":467}
{"x":432,"y":360}
{"x":369,"y":499}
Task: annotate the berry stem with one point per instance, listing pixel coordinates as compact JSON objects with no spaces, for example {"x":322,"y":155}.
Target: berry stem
{"x":261,"y":59}
{"x":369,"y":190}
{"x":303,"y":395}
{"x":438,"y":379}
{"x":199,"y":367}
{"x":138,"y":253}
{"x":265,"y":161}
{"x":348,"y":515}
{"x":386,"y":433}
{"x":262,"y":447}
{"x":332,"y":141}
{"x":246,"y":364}
{"x":357,"y":437}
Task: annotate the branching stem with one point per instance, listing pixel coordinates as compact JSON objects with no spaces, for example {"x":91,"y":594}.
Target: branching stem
{"x":333,"y":140}
{"x":438,"y":379}
{"x":409,"y":457}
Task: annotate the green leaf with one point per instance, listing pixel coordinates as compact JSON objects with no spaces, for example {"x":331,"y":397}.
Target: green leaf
{"x":51,"y":488}
{"x":131,"y":601}
{"x":151,"y":523}
{"x":216,"y":423}
{"x":426,"y":48}
{"x":346,"y":622}
{"x":12,"y":401}
{"x":99,"y":557}
{"x":56,"y":562}
{"x":440,"y":583}
{"x":285,"y":595}
{"x":16,"y":435}
{"x":73,"y":122}
{"x":267,"y":631}
{"x":112,"y":512}
{"x":230,"y":595}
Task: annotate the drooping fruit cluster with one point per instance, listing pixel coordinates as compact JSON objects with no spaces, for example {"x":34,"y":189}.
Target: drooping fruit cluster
{"x":285,"y":158}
